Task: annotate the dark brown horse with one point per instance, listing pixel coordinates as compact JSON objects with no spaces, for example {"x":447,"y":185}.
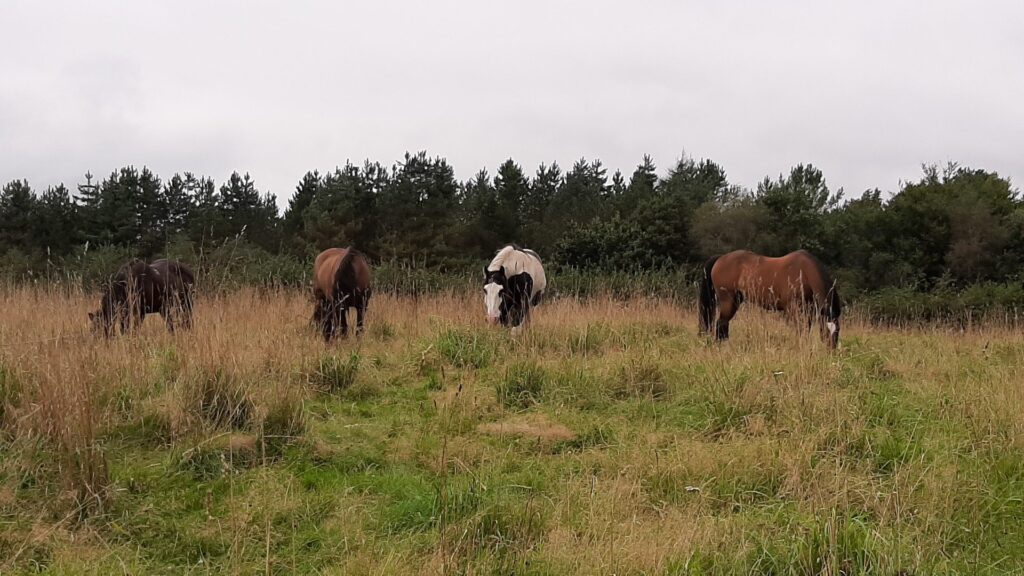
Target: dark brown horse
{"x":341,"y":280}
{"x":795,"y":284}
{"x":138,"y":288}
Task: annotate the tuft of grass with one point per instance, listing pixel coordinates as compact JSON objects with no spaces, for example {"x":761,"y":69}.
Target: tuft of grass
{"x":465,"y":348}
{"x":522,"y":385}
{"x":382,"y":331}
{"x":224,"y":401}
{"x":836,"y":543}
{"x":639,"y":378}
{"x":505,"y":531}
{"x":283,"y":423}
{"x":588,"y":340}
{"x":10,"y":394}
{"x":335,"y":374}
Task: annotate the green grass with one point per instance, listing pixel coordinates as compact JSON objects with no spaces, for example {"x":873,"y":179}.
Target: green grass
{"x":599,"y":442}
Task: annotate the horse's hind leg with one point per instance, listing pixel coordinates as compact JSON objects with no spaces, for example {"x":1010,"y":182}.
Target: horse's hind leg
{"x":343,"y":319}
{"x":728,"y":305}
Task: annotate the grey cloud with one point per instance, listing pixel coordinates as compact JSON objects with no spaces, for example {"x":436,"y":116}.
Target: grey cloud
{"x":867,"y":91}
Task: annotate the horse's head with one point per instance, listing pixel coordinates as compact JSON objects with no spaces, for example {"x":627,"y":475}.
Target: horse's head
{"x":833,"y":311}
{"x":832,"y":332}
{"x":494,"y":293}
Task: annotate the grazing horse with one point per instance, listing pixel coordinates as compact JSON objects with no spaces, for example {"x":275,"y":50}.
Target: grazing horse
{"x":341,"y":279}
{"x":513,"y":282}
{"x":795,"y":284}
{"x":138,"y":288}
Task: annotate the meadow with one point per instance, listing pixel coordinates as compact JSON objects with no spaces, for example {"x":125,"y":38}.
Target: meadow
{"x":608,"y":439}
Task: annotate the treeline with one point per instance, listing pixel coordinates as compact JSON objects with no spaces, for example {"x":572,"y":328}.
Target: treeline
{"x":952,"y":228}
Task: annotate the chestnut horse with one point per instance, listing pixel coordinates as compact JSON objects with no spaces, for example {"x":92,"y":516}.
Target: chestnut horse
{"x":795,"y":284}
{"x":138,"y":288}
{"x":341,"y":280}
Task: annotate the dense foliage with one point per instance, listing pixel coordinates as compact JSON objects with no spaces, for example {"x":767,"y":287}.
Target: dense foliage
{"x":953,"y":228}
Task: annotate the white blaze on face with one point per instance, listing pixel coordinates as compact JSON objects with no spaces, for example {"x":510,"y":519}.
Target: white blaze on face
{"x":832,"y":328}
{"x":492,"y":300}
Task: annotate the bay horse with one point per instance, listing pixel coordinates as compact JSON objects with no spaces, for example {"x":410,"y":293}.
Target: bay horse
{"x":796,"y":284}
{"x":341,"y":280}
{"x":514,"y":281}
{"x":137,"y":288}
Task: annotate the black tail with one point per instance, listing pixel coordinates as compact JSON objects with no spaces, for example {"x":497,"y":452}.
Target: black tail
{"x":707,"y":300}
{"x":345,"y":276}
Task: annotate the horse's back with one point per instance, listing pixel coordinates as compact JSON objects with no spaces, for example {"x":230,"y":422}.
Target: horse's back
{"x":540,"y":281}
{"x":174,"y":273}
{"x":325,"y":268}
{"x":529,"y":262}
{"x":770,"y":280}
{"x":728,"y":267}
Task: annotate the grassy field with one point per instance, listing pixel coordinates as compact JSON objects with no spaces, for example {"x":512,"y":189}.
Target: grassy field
{"x":609,"y":439}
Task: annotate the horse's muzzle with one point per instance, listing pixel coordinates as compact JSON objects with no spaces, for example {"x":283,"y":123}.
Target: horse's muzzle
{"x":492,"y":320}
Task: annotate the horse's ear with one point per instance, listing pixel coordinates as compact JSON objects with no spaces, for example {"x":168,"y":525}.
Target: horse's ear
{"x":485,"y":271}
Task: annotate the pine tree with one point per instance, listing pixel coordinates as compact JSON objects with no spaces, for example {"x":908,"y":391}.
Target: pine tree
{"x":641,"y":188}
{"x":88,"y":201}
{"x":418,"y":209}
{"x":244,"y":211}
{"x":305,"y":192}
{"x":511,"y":191}
{"x":543,"y":190}
{"x":581,"y":198}
{"x":343,"y":212}
{"x":57,"y":226}
{"x":479,"y":212}
{"x":177,"y":203}
{"x":18,"y":207}
{"x":207,"y":222}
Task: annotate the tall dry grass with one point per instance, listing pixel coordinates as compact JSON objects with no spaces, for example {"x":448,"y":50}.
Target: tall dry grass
{"x":609,"y":438}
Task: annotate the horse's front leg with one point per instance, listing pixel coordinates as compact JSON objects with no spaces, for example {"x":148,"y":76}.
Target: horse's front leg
{"x":522,"y":317}
{"x":360,"y":317}
{"x":168,"y":316}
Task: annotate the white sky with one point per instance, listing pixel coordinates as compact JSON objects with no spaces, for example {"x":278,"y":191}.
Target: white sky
{"x":865,"y":90}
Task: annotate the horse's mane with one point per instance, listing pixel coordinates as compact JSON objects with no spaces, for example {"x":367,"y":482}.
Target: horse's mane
{"x":500,"y":257}
{"x":835,"y":307}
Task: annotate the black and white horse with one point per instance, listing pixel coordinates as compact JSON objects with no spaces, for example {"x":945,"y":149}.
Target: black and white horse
{"x":513,"y":282}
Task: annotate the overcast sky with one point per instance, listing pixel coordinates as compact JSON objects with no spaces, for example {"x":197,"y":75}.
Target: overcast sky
{"x":865,"y":90}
